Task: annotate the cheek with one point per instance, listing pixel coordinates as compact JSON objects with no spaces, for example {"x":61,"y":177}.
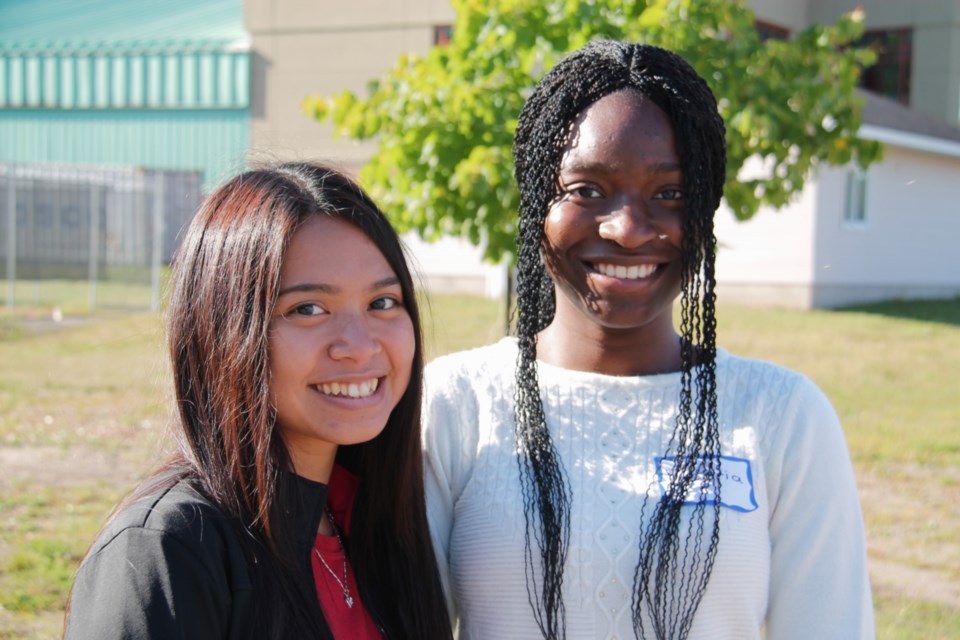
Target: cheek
{"x":670,"y":222}
{"x":561,"y":228}
{"x":673,"y":227}
{"x":402,"y":347}
{"x":286,"y":355}
{"x":273,"y":356}
{"x":558,"y":226}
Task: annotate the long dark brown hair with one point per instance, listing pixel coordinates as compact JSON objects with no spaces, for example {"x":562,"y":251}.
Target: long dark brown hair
{"x":225,"y":286}
{"x":675,"y":563}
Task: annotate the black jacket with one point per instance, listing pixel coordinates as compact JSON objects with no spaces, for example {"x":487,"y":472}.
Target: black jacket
{"x":171,"y":565}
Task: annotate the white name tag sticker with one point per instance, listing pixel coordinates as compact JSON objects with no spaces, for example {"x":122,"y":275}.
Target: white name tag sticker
{"x":736,"y":483}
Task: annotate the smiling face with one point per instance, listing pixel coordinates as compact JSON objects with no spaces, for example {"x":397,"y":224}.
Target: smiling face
{"x":341,"y":343}
{"x":613,"y":237}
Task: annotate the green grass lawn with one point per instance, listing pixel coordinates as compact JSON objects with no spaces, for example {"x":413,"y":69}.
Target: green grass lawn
{"x":83,"y":409}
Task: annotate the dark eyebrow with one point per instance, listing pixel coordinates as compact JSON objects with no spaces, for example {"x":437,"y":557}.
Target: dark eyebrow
{"x":600,"y":167}
{"x":310,"y":287}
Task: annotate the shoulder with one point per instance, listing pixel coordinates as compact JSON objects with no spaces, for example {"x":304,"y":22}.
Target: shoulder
{"x":465,"y":393}
{"x":752,"y":380}
{"x":164,"y":520}
{"x":179,"y":509}
{"x":491,"y":357}
{"x":168,"y":565}
{"x":457,"y":372}
{"x":791,"y":412}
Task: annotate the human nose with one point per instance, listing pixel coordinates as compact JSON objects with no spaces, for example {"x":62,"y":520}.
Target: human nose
{"x":355,"y":340}
{"x":629,"y":225}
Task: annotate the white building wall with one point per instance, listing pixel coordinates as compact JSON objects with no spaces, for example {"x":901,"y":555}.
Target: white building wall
{"x":768,"y":259}
{"x":807,"y":255}
{"x":453,"y":265}
{"x":907,"y":247}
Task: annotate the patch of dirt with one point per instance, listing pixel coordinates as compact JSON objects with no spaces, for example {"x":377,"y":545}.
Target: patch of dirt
{"x":42,"y":626}
{"x":891,"y":577}
{"x":49,"y":466}
{"x":912,"y":516}
{"x":46,"y":324}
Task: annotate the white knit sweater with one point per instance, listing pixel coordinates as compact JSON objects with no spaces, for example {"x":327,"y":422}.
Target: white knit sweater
{"x":791,"y":559}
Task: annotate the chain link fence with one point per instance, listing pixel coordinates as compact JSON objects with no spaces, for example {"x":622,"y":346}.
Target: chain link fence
{"x":90,"y":237}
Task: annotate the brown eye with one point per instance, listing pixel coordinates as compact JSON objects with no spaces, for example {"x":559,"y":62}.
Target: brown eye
{"x":309,"y":309}
{"x":587,"y":192}
{"x":385,"y":303}
{"x":670,"y":194}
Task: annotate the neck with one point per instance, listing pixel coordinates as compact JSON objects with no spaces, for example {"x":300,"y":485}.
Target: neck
{"x":327,"y":526}
{"x":313,"y":461}
{"x":647,"y":350}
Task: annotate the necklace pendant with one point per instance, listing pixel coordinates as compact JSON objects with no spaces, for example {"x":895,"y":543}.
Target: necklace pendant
{"x":349,"y":601}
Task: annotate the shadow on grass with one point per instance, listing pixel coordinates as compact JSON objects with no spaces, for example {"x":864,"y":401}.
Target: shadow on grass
{"x":941,"y":311}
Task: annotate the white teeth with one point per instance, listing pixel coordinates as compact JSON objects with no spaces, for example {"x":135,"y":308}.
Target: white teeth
{"x":351,"y":389}
{"x":633,"y":272}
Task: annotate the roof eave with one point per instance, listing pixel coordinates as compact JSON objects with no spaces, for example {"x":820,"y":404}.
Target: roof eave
{"x":908,"y":140}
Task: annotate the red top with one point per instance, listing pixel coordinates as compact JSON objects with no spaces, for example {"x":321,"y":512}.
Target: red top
{"x":353,"y":623}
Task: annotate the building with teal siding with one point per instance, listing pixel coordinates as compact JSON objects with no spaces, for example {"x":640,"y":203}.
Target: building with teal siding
{"x":159,"y":84}
{"x":115,"y":118}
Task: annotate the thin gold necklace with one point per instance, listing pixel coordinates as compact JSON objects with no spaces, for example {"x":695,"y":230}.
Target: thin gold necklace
{"x":345,"y":586}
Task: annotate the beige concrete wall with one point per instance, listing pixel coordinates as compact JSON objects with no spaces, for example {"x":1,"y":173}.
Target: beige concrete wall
{"x":790,"y":14}
{"x":323,"y":46}
{"x":935,"y":73}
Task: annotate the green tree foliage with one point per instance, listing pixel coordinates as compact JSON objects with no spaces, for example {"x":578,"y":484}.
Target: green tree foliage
{"x":445,"y":121}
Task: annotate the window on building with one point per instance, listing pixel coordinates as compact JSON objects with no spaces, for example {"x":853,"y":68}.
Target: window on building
{"x":770,"y":31}
{"x":890,"y":76}
{"x":855,"y":212}
{"x":442,"y":34}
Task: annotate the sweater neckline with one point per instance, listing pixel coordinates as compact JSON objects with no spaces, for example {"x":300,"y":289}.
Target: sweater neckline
{"x":550,"y":372}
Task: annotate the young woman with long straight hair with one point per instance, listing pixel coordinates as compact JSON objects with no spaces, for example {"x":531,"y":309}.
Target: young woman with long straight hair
{"x":609,"y":473}
{"x":293,"y":507}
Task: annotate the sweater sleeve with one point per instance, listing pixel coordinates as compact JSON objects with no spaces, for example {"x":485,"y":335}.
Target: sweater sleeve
{"x":146,"y":583}
{"x":450,"y":434}
{"x":819,"y":585}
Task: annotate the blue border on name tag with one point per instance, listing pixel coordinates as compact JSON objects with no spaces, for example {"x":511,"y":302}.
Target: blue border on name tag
{"x":726,"y":477}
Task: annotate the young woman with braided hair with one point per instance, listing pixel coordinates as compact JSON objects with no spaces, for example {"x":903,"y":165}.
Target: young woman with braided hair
{"x":602,"y":475}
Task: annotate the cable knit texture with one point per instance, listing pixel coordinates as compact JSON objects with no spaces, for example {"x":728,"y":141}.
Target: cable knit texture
{"x":792,"y":556}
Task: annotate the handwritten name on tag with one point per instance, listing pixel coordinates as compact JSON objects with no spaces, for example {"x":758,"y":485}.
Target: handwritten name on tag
{"x":736,"y":483}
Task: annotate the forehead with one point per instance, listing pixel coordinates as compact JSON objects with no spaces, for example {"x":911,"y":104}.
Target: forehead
{"x":619,"y":124}
{"x":326,"y":246}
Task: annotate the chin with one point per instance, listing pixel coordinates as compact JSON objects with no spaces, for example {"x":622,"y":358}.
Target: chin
{"x":623,"y":320}
{"x":361,"y":436}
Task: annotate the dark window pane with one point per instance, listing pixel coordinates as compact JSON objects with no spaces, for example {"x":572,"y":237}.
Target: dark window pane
{"x":890,"y":76}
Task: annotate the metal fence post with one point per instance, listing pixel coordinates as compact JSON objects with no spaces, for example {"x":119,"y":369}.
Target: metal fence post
{"x":94,"y":243}
{"x":11,"y":240}
{"x":156,"y":259}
